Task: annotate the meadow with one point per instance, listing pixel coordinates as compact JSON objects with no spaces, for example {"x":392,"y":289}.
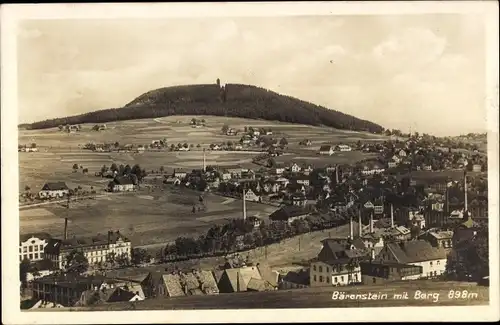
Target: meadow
{"x":150,"y":218}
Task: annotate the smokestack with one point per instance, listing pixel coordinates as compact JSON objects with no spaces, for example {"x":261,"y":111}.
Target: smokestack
{"x":392,"y":216}
{"x":371,"y":222}
{"x":360,"y":224}
{"x":337,"y":174}
{"x":465,"y":189}
{"x":351,"y":228}
{"x":244,"y":205}
{"x":204,"y":161}
{"x":65,"y":228}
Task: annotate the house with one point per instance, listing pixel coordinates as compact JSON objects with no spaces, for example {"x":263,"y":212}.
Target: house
{"x":121,"y":184}
{"x":392,"y":164}
{"x":343,"y":148}
{"x":302,"y":179}
{"x":295,"y":188}
{"x":402,"y":153}
{"x":67,"y":290}
{"x":251,"y":196}
{"x":295,"y":168}
{"x":278,"y":170}
{"x":255,"y":221}
{"x":238,"y":279}
{"x":231,"y":131}
{"x":256,"y":133}
{"x":371,"y":168}
{"x":477,"y":168}
{"x":238,"y":147}
{"x":31,"y":246}
{"x":173,"y":180}
{"x":215,"y":147}
{"x":95,"y":249}
{"x":183,"y":148}
{"x":288,"y":213}
{"x":270,"y":186}
{"x":40,"y":269}
{"x":416,"y":217}
{"x":53,"y":190}
{"x":298,"y":200}
{"x":336,"y":264}
{"x":234,"y":170}
{"x":377,"y":272}
{"x":181,"y":174}
{"x":294,"y":280}
{"x":326,"y":150}
{"x":439,"y":238}
{"x":416,"y":252}
{"x":427,"y":167}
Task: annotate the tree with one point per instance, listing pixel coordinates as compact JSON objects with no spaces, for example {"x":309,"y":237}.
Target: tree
{"x":76,"y":262}
{"x":85,"y":171}
{"x":95,"y":127}
{"x":172,"y":147}
{"x":122,"y":260}
{"x":24,"y":268}
{"x":225,"y":128}
{"x":185,"y":145}
{"x":283,"y":142}
{"x":271,"y":163}
{"x":246,"y":129}
{"x":117,"y":144}
{"x":127,"y":170}
{"x":193,"y":121}
{"x":111,"y":259}
{"x":60,"y":127}
{"x":114,"y":167}
{"x":198,"y":145}
{"x":140,"y":256}
{"x":162,"y":169}
{"x":75,"y":168}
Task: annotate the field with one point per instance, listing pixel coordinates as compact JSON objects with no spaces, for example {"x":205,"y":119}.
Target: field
{"x":156,"y":217}
{"x":318,"y":298}
{"x":146,"y":218}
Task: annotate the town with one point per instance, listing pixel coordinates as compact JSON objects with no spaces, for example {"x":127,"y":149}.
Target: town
{"x":414,"y":208}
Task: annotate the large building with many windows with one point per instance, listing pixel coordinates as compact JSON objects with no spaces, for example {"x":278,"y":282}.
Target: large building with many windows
{"x":95,"y":249}
{"x":31,"y":246}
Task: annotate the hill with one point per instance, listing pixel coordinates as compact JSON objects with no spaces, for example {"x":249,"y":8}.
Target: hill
{"x":233,"y":100}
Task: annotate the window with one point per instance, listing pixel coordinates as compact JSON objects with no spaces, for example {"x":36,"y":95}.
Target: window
{"x":327,"y":279}
{"x":430,"y":263}
{"x":314,"y":278}
{"x":342,"y":278}
{"x":36,"y":255}
{"x":335,"y":279}
{"x":356,"y":277}
{"x":41,"y":255}
{"x":320,"y":278}
{"x":438,"y":262}
{"x":314,"y":267}
{"x":374,"y":280}
{"x":41,"y":247}
{"x":19,"y":249}
{"x":30,"y":256}
{"x":30,"y":248}
{"x":321,"y":269}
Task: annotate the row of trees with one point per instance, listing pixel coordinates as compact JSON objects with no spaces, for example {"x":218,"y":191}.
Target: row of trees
{"x":238,"y":235}
{"x":125,"y":170}
{"x":245,"y":102}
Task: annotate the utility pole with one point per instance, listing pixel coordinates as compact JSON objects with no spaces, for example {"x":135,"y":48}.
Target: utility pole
{"x":299,"y":243}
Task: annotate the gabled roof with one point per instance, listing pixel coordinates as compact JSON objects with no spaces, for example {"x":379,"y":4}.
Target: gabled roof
{"x":172,"y":285}
{"x":55,"y":186}
{"x":415,"y":251}
{"x":259,"y":285}
{"x":288,"y":212}
{"x":325,"y":148}
{"x":39,"y":235}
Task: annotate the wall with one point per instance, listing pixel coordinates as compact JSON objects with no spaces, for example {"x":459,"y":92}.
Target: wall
{"x":47,"y":194}
{"x":32,"y":249}
{"x":431,"y":268}
{"x":322,"y":274}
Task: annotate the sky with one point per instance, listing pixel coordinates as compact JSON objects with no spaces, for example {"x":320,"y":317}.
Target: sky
{"x":424,"y":72}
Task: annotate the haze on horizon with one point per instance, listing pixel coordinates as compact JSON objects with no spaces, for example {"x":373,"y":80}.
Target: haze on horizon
{"x":424,"y":72}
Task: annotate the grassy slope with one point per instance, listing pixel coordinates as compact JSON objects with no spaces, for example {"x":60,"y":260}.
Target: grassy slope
{"x":242,"y":101}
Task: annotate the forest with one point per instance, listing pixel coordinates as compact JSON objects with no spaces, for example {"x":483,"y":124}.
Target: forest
{"x":231,"y":100}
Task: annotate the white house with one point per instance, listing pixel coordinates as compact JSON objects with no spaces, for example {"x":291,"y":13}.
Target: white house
{"x":295,"y":168}
{"x":31,"y":246}
{"x":477,"y":168}
{"x":392,"y":164}
{"x":181,"y":174}
{"x":416,"y":252}
{"x":278,"y":170}
{"x":326,"y":150}
{"x":343,"y":148}
{"x":121,"y":184}
{"x":53,"y":190}
{"x":183,"y":148}
{"x":251,"y":196}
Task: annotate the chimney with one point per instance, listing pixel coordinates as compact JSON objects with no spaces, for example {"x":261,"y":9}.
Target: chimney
{"x":360,"y":224}
{"x":244,"y":206}
{"x":371,"y":223}
{"x":465,"y":188}
{"x":204,"y":161}
{"x":65,"y":228}
{"x":351,"y":229}
{"x":337,"y":174}
{"x":392,"y":215}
